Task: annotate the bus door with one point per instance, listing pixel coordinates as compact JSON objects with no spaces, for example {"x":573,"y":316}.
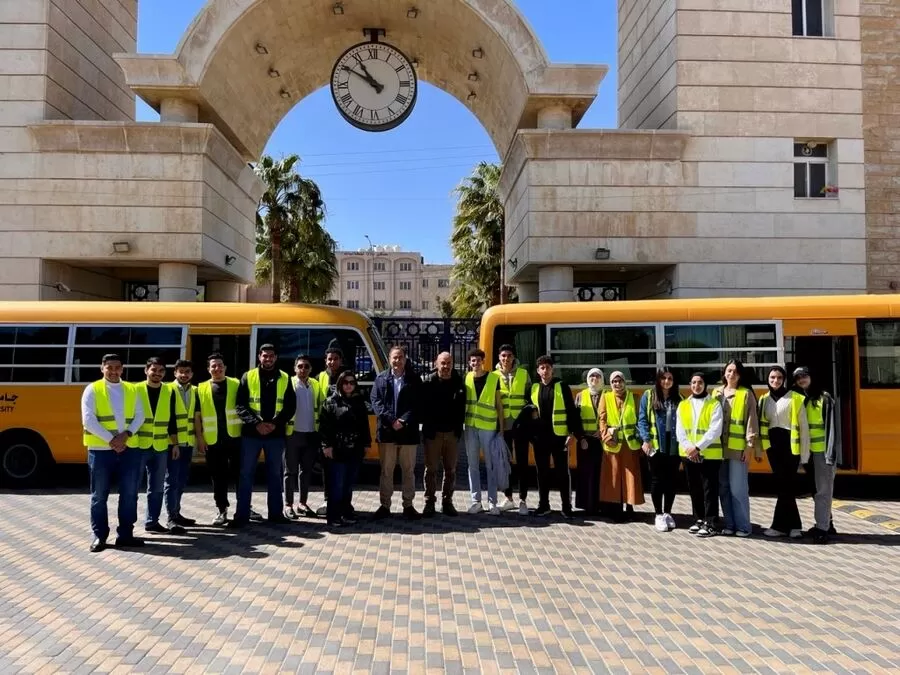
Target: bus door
{"x":827,"y":348}
{"x":233,"y":343}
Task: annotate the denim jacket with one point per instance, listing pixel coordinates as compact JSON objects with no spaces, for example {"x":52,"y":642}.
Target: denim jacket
{"x":643,"y":425}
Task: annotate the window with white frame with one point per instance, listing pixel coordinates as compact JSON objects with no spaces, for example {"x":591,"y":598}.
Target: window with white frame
{"x":425,"y":304}
{"x":35,"y":354}
{"x":353,"y":304}
{"x":631,"y":349}
{"x":811,"y":170}
{"x":135,"y":344}
{"x":405,"y":285}
{"x":810,"y":18}
{"x":352,"y":266}
{"x":378,"y":266}
{"x":379,"y":304}
{"x":352,"y":285}
{"x":406,"y":304}
{"x":378,"y":285}
{"x":443,"y":283}
{"x":424,"y":283}
{"x":692,"y":348}
{"x":406,"y":267}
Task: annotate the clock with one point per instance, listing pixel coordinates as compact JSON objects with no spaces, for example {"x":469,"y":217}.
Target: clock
{"x":374,"y":86}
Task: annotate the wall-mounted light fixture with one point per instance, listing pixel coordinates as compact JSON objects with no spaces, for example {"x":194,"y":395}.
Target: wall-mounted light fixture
{"x":666,"y":285}
{"x":601,"y":254}
{"x":337,"y":9}
{"x":472,"y":96}
{"x":284,"y":93}
{"x":473,"y":77}
{"x":261,"y":49}
{"x":414,"y":62}
{"x":230,"y":260}
{"x":478,"y":53}
{"x":274,"y":73}
{"x":121,"y":247}
{"x":412,"y":13}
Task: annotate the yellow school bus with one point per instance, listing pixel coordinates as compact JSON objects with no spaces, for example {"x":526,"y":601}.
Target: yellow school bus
{"x":850,"y":343}
{"x":49,"y":352}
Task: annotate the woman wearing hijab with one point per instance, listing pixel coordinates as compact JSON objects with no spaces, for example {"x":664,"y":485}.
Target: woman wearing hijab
{"x":740,"y":428}
{"x":620,"y":475}
{"x":784,"y":434}
{"x":699,"y":432}
{"x":824,"y":449}
{"x":590,"y":449}
{"x":344,"y":427}
{"x":656,"y":427}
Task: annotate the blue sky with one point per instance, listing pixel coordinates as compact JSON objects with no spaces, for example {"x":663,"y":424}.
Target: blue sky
{"x":396,"y":186}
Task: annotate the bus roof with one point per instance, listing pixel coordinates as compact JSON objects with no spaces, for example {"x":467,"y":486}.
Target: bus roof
{"x":198,"y":313}
{"x":696,"y":309}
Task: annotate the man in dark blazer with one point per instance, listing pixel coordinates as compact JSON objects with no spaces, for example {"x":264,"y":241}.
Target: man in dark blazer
{"x":396,"y":401}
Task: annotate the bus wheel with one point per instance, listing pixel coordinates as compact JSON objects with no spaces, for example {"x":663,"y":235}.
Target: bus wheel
{"x":24,"y":459}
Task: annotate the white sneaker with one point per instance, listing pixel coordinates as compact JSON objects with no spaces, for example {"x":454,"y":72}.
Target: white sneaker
{"x":796,"y":534}
{"x":741,"y":533}
{"x":727,"y":532}
{"x":660,"y":524}
{"x":670,"y":521}
{"x":773,"y":533}
{"x":322,"y":510}
{"x":695,"y":528}
{"x":495,"y":511}
{"x":507,"y":504}
{"x":476,"y":508}
{"x":523,"y":507}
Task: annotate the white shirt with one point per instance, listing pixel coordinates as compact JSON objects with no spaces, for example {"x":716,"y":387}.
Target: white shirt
{"x":712,"y":434}
{"x":116,"y":394}
{"x":398,"y":385}
{"x":779,"y":415}
{"x":304,"y":418}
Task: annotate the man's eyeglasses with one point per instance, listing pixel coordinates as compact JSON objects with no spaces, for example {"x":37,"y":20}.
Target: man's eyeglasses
{"x":303,"y":366}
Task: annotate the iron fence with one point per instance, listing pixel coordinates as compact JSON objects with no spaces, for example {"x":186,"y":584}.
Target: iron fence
{"x":424,"y":339}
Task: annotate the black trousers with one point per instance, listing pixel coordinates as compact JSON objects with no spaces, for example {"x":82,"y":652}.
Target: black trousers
{"x":545,"y":449}
{"x":663,"y":475}
{"x":703,"y":483}
{"x":784,"y":465}
{"x":518,"y":441}
{"x":223,"y":459}
{"x":300,"y":453}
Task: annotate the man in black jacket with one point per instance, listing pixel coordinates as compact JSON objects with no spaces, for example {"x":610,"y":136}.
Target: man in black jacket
{"x":396,"y":401}
{"x":265,"y":404}
{"x":443,"y":414}
{"x":558,"y":418}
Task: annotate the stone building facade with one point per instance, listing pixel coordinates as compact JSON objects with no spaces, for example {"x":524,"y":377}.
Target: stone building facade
{"x":737,"y":122}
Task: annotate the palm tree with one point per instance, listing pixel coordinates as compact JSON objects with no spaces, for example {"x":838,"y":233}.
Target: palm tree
{"x":477,"y":243}
{"x":294,"y":251}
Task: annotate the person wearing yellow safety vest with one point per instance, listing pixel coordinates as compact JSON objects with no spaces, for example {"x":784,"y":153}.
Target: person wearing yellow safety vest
{"x":620,"y":475}
{"x":784,"y":434}
{"x":266,"y":408}
{"x":740,"y":431}
{"x":327,"y":379}
{"x":656,"y":427}
{"x":558,"y":419}
{"x":515,"y":385}
{"x":111,"y":415}
{"x":179,"y":459}
{"x":217,"y":428}
{"x":699,"y":432}
{"x":590,"y":449}
{"x":484,"y":417}
{"x":303,"y":445}
{"x":157,"y":437}
{"x":824,"y":450}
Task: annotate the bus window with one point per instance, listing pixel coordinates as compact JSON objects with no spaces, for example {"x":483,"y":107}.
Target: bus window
{"x":235,"y":350}
{"x":879,"y":354}
{"x":135,"y":344}
{"x":530,"y":343}
{"x":692,"y":348}
{"x":631,"y":349}
{"x":35,"y":354}
{"x":313,"y":341}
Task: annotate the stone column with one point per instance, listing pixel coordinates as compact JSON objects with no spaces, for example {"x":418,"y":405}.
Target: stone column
{"x":177,"y":282}
{"x":224,"y":291}
{"x":178,"y":110}
{"x":528,"y":292}
{"x":556,"y":283}
{"x":555,"y":117}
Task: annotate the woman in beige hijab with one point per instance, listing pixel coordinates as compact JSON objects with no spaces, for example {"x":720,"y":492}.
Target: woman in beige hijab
{"x":620,"y":475}
{"x":590,"y":449}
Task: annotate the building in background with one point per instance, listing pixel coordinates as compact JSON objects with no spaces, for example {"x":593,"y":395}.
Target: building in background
{"x":387,"y":281}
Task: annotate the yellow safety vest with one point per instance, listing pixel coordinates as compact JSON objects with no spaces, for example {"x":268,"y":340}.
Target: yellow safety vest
{"x":324,"y":380}
{"x":318,"y":398}
{"x":208,"y":411}
{"x":588,"y":413}
{"x":627,"y":425}
{"x":107,"y":417}
{"x":815,"y":418}
{"x":184,"y":415}
{"x":686,"y":415}
{"x":796,"y":404}
{"x":154,"y":432}
{"x":651,"y":416}
{"x":481,"y":412}
{"x":737,"y":425}
{"x":514,"y":397}
{"x":253,"y":384}
{"x":560,"y":423}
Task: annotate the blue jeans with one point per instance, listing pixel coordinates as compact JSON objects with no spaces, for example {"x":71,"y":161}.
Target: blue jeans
{"x":273,"y":450}
{"x":341,"y":477}
{"x":479,"y":440}
{"x":104,"y":464}
{"x":155,"y":468}
{"x":734,"y":491}
{"x":176,"y":478}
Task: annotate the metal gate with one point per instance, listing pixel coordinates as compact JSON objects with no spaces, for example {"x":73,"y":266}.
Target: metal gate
{"x":424,"y":339}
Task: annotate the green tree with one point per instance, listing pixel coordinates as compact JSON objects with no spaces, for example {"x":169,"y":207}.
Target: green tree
{"x":477,"y":243}
{"x":295,"y":254}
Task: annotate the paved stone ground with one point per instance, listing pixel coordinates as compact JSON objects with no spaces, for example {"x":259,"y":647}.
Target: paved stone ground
{"x":475,"y":594}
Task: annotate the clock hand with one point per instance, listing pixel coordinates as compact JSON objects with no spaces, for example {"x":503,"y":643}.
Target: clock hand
{"x":378,"y":87}
{"x":371,"y":80}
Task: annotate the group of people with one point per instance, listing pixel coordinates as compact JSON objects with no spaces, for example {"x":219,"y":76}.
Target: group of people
{"x":152,"y":429}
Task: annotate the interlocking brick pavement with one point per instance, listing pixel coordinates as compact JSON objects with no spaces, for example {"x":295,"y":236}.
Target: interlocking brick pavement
{"x":475,"y":594}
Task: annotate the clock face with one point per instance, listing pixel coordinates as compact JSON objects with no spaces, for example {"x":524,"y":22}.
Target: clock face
{"x":374,"y":86}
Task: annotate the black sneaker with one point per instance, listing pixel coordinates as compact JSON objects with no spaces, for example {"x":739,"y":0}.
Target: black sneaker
{"x":221,"y":519}
{"x":174,"y":528}
{"x":542,"y":511}
{"x":410,"y":513}
{"x":237,"y":523}
{"x":831,"y":529}
{"x":129,"y":542}
{"x":98,"y":545}
{"x":567,"y":512}
{"x":304,"y":510}
{"x":278,"y":519}
{"x":707,"y":530}
{"x":350,"y":520}
{"x":184,"y":522}
{"x":289,"y":512}
{"x":155,"y":528}
{"x":255,"y":517}
{"x":448,"y":509}
{"x":382,"y":513}
{"x":429,"y":511}
{"x":336,"y":524}
{"x":821,"y":538}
